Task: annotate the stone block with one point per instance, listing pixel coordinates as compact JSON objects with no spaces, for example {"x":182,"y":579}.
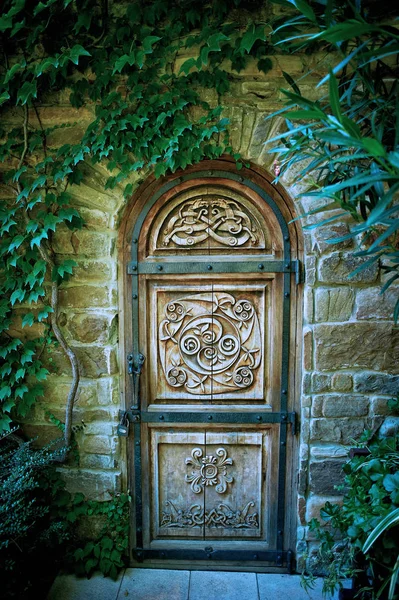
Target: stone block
{"x":337,"y":268}
{"x":97,"y":461}
{"x":308,"y":349}
{"x":96,"y":361}
{"x":342,"y":382}
{"x":86,"y":296}
{"x":357,"y":345}
{"x":42,"y":434}
{"x":334,"y":304}
{"x":308,"y":311}
{"x":377,"y":382}
{"x":325,"y":430}
{"x":345,"y":405}
{"x":83,"y":243}
{"x":247,"y":127}
{"x":88,"y":271}
{"x":352,"y":429}
{"x":317,"y":406}
{"x":316,"y":503}
{"x":96,"y":444}
{"x":325,"y":235}
{"x":389,"y":428}
{"x":324,"y":451}
{"x":324,"y":476}
{"x":379,"y":406}
{"x":321,"y":383}
{"x":89,"y":328}
{"x":371,"y":304}
{"x":310,"y":270}
{"x":306,"y":383}
{"x":94,"y":484}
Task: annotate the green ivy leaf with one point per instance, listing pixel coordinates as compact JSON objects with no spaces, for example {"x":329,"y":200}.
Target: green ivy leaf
{"x":17,"y":296}
{"x":16,"y":242}
{"x":148,"y":43}
{"x":27,"y":92}
{"x":76,"y":52}
{"x":28,"y":319}
{"x":252,"y":35}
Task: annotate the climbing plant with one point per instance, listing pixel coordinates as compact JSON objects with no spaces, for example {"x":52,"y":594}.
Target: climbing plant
{"x":122,"y":61}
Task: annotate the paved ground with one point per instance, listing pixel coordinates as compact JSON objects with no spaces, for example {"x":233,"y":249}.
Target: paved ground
{"x":157,"y":584}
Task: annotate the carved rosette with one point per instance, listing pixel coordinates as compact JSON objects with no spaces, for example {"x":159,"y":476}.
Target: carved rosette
{"x":209,"y":470}
{"x":210,"y":343}
{"x":220,"y":516}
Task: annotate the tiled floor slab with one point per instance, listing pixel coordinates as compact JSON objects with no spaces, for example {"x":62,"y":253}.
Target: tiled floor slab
{"x":208,"y":585}
{"x":69,"y":587}
{"x":288,"y":587}
{"x":154,"y":584}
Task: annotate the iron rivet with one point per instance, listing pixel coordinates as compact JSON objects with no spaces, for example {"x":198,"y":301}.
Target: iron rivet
{"x":284,"y":417}
{"x":258,"y":418}
{"x":134,"y":296}
{"x":139,"y":529}
{"x":210,"y":417}
{"x":137,"y":443}
{"x":287,"y":238}
{"x":287,"y":266}
{"x":134,"y":268}
{"x":261,"y":266}
{"x":284,"y":392}
{"x":209,"y":555}
{"x":159,"y":267}
{"x":286,"y":294}
{"x":241,"y":179}
{"x":210,"y":172}
{"x":279,"y":557}
{"x":209,"y":267}
{"x":162,"y":554}
{"x":135,"y":241}
{"x":161,"y":418}
{"x":283,"y":443}
{"x":280,"y":532}
{"x":255,"y":556}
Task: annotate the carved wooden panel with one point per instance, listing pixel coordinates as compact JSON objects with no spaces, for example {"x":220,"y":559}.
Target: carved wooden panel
{"x":209,"y":219}
{"x":210,"y":344}
{"x":211,"y":484}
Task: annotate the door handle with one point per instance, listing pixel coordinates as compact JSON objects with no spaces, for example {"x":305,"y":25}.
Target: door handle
{"x":135,"y":370}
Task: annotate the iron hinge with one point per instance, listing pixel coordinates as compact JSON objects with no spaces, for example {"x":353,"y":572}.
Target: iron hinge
{"x":292,"y":418}
{"x":299,"y":271}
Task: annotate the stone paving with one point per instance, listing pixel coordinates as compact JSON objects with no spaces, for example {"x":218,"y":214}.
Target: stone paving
{"x":159,"y":584}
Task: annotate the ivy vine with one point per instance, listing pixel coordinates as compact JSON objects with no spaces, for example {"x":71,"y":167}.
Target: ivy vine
{"x":120,"y":62}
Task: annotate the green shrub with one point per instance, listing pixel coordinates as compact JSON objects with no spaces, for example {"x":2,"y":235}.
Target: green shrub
{"x":371,"y":493}
{"x":31,"y":529}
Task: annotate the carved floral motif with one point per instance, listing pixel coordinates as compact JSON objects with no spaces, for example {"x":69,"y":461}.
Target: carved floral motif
{"x":221,"y":515}
{"x":209,"y":470}
{"x":221,"y":220}
{"x":210,"y":343}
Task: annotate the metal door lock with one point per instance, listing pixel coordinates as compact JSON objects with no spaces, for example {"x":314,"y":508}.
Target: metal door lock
{"x":123,"y":426}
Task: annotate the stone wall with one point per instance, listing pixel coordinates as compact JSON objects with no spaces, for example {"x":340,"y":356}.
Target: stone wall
{"x":350,"y":350}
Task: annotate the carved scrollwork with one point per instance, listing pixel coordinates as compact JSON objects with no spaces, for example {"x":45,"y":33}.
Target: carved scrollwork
{"x":209,"y":470}
{"x":210,"y":343}
{"x":222,"y":516}
{"x":222,"y":220}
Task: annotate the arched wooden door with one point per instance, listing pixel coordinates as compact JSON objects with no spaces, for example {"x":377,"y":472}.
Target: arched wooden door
{"x":211,"y":279}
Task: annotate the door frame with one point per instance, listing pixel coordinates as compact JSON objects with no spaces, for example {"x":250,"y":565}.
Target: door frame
{"x":134,"y":215}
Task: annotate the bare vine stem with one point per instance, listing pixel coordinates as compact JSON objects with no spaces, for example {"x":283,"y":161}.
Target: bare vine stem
{"x":54,"y":302}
